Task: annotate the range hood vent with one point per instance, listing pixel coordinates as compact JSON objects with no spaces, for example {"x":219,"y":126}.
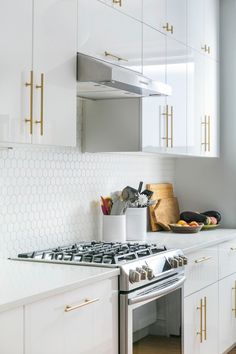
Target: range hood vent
{"x":99,"y":80}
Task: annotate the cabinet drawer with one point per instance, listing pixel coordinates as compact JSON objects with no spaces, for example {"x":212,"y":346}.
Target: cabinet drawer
{"x":227,"y":258}
{"x":202,"y":270}
{"x":79,"y":321}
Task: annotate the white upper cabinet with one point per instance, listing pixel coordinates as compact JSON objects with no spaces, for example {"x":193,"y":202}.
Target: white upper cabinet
{"x":154,"y":66}
{"x":154,"y":13}
{"x":203,"y":26}
{"x":132,"y":8}
{"x":15,"y":66}
{"x":54,"y":62}
{"x":109,"y":35}
{"x":168,"y":16}
{"x":176,"y":16}
{"x":202,"y":105}
{"x":175,"y":110}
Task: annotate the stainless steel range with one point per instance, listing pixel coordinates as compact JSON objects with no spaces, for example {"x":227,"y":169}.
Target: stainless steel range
{"x":151,"y":278}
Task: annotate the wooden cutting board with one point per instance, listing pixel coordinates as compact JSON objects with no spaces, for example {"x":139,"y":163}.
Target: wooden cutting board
{"x":166,"y":212}
{"x":160,"y":191}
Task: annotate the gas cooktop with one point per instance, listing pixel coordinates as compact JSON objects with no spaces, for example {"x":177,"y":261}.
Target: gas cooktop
{"x":95,"y":252}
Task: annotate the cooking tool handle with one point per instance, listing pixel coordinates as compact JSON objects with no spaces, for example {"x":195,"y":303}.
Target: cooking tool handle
{"x":156,"y":294}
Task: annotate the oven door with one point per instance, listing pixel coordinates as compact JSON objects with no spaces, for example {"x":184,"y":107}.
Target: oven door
{"x":151,"y":318}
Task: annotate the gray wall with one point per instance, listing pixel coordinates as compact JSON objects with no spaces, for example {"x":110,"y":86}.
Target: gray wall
{"x":211,"y":183}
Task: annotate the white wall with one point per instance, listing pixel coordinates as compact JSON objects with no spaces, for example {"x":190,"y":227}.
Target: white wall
{"x":211,"y":183}
{"x":50,"y":196}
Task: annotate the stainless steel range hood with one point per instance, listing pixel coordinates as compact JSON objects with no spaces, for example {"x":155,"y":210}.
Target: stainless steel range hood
{"x":98,"y":80}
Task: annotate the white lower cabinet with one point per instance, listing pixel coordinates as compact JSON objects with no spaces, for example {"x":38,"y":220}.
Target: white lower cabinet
{"x":227,"y":313}
{"x":12,"y":331}
{"x":81,"y":321}
{"x":201,"y":321}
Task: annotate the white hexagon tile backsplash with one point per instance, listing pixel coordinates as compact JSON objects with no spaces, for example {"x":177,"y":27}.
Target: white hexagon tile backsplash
{"x":50,"y":196}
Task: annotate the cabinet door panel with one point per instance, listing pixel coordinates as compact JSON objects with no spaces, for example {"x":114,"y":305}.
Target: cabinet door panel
{"x":154,"y":66}
{"x":227,"y":258}
{"x":11,"y":331}
{"x":191,"y":325}
{"x":212,"y":106}
{"x":15,"y":66}
{"x":195,"y":101}
{"x":101,"y":31}
{"x":212,"y":27}
{"x":177,"y":17}
{"x":154,"y":13}
{"x":55,"y":57}
{"x":196,"y":24}
{"x":227,"y":317}
{"x":176,"y":73}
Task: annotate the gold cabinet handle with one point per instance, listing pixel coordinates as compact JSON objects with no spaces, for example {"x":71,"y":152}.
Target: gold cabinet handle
{"x":209,"y":50}
{"x":200,"y":330}
{"x":171,"y":126}
{"x":209,"y":133}
{"x":119,"y":2}
{"x":204,"y":48}
{"x":169,"y":28}
{"x":166,"y":114}
{"x":31,"y":85}
{"x":232,"y":248}
{"x":41,"y":87}
{"x":205,"y":318}
{"x":107,"y":54}
{"x":204,"y":123}
{"x":203,"y":259}
{"x":85,"y":303}
{"x":234,"y":309}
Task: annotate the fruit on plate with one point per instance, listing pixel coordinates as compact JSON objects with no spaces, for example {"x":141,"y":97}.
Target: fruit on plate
{"x":213,"y":220}
{"x":182,"y":223}
{"x":193,"y":224}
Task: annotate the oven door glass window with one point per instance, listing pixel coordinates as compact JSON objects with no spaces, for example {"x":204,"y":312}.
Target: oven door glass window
{"x":157,"y":326}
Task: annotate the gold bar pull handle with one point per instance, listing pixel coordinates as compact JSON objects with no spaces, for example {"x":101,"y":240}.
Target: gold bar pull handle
{"x":200,"y":330}
{"x":119,"y":2}
{"x":205,"y":318}
{"x":85,"y":303}
{"x":234,"y":309}
{"x":204,"y":143}
{"x":166,"y":114}
{"x":203,"y":259}
{"x":41,"y":87}
{"x":171,"y":126}
{"x":209,"y":133}
{"x":30,"y":84}
{"x":108,"y":54}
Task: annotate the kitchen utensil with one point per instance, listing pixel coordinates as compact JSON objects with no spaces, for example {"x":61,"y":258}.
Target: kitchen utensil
{"x":166,"y":212}
{"x":140,"y":187}
{"x":129,"y":194}
{"x":185,"y":229}
{"x":148,"y":193}
{"x":160,"y":191}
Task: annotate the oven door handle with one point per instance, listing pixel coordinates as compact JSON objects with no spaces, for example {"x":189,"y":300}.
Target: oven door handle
{"x":156,"y":294}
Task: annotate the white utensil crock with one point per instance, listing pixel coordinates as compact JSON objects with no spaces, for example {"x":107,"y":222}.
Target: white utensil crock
{"x":114,"y":228}
{"x":136,"y":224}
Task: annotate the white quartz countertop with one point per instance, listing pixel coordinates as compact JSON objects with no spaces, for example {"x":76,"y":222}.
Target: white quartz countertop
{"x":24,"y":282}
{"x":191,"y":242}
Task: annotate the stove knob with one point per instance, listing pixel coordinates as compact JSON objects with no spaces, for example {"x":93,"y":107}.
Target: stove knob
{"x":142,"y":273}
{"x":180,"y":261}
{"x":174,"y":262}
{"x":134,"y":276}
{"x":150,"y":274}
{"x":184,"y":260}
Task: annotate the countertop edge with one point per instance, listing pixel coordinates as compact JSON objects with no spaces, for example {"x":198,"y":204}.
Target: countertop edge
{"x":59,"y":290}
